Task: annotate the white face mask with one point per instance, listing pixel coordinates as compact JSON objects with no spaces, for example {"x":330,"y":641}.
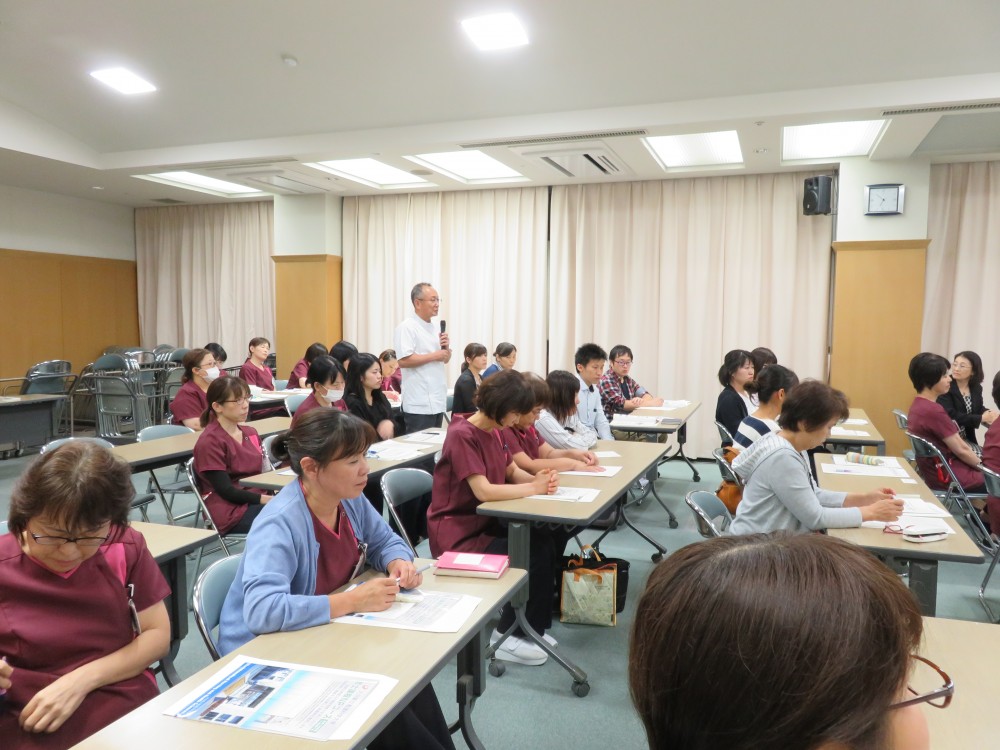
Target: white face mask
{"x":332,"y":395}
{"x":212,"y":373}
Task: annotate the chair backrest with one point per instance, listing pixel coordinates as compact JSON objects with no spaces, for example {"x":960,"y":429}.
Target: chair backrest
{"x":400,"y":486}
{"x":115,"y":362}
{"x":724,"y":435}
{"x":209,"y":594}
{"x":157,"y":431}
{"x":3,"y":528}
{"x":265,"y":446}
{"x":177,"y":355}
{"x":902,"y":420}
{"x":280,"y":385}
{"x":292,"y":403}
{"x":62,"y":441}
{"x":724,"y":467}
{"x":992,"y":481}
{"x":707,"y":508}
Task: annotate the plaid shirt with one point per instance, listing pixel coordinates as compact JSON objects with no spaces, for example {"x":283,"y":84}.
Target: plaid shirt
{"x":612,"y":395}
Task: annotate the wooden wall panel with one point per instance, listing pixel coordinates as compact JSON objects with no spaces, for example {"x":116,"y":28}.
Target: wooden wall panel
{"x":308,"y":305}
{"x":878,"y":305}
{"x":64,"y":307}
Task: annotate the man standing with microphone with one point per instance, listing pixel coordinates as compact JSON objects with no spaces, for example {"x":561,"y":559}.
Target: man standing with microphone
{"x":422,"y":350}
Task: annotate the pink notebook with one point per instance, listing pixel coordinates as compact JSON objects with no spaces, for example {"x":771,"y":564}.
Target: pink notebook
{"x":472,"y":564}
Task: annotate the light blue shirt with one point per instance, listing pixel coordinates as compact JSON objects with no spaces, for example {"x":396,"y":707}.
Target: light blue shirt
{"x":591,"y":410}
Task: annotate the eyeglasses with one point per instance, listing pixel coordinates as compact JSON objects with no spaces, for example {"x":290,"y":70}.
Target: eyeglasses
{"x":925,"y":675}
{"x":623,"y":362}
{"x":432,"y":300}
{"x":240,"y":401}
{"x":207,"y":365}
{"x":957,"y":366}
{"x":59,"y":541}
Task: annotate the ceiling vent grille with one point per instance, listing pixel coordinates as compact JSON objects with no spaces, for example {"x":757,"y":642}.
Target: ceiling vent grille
{"x":553,"y":139}
{"x":167,"y":201}
{"x":943,"y":109}
{"x":590,"y":160}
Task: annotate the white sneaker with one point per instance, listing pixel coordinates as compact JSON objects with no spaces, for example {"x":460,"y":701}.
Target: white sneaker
{"x":521,"y":651}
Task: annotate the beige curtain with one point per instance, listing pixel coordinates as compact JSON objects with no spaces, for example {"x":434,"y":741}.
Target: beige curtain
{"x":961,"y":306}
{"x":205,"y":274}
{"x":684,"y":270}
{"x":483,"y":250}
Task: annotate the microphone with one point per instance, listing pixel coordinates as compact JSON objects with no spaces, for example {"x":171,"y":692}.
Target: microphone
{"x":443,"y":326}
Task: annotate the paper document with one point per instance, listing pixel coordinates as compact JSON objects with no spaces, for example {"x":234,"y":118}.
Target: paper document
{"x":625,"y":421}
{"x":287,"y":473}
{"x":570,"y":495}
{"x":431,"y":437}
{"x":437,"y":612}
{"x":914,"y":505}
{"x":890,"y":462}
{"x":841,"y":432}
{"x":391,"y":450}
{"x":863,"y":470}
{"x":605,"y":471}
{"x":607,"y":454}
{"x":924,"y":524}
{"x":855,"y":421}
{"x":668,"y":406}
{"x":292,"y":699}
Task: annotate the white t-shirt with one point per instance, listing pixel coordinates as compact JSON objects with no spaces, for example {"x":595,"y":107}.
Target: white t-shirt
{"x":425,"y":388}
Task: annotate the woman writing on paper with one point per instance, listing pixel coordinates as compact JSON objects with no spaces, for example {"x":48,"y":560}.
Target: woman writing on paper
{"x":468,"y":382}
{"x":476,"y":467}
{"x":780,"y":492}
{"x":200,"y":369}
{"x":392,"y":376}
{"x":559,"y":422}
{"x":297,"y":378}
{"x":315,"y":536}
{"x":74,"y":659}
{"x":964,"y":399}
{"x":226,"y":451}
{"x":327,"y":380}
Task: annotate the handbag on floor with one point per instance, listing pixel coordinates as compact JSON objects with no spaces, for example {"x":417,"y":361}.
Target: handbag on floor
{"x":593,"y":589}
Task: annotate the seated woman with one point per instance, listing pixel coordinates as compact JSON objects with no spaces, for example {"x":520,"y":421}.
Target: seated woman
{"x":991,"y":459}
{"x":297,"y":378}
{"x":364,"y":397}
{"x":780,"y":492}
{"x":392,"y":375}
{"x":227,"y":451}
{"x":74,"y":660}
{"x":771,"y":387}
{"x":529,"y":449}
{"x":815,"y":651}
{"x":620,"y":393}
{"x":342,"y":351}
{"x":762,"y":357}
{"x":219,"y":353}
{"x":315,"y":536}
{"x":930,"y":376}
{"x":504,"y":358}
{"x":475,"y":467}
{"x":559,"y":422}
{"x":327,"y":379}
{"x":964,"y":399}
{"x":200,"y":369}
{"x":468,"y":382}
{"x":734,"y":402}
{"x":254,"y":371}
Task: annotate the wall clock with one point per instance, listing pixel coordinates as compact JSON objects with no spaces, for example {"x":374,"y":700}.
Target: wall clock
{"x":884,"y":200}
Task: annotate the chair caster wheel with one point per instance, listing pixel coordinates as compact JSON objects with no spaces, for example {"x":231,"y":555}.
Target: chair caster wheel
{"x":697,"y":477}
{"x":581,"y":689}
{"x":497,"y":669}
{"x":673,"y":523}
{"x":656,"y":556}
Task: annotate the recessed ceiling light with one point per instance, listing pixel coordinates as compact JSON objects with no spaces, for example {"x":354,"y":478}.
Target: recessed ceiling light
{"x":829,"y":139}
{"x":496,"y":31}
{"x":194,"y":181}
{"x":123,"y":81}
{"x":97,"y":187}
{"x":370,"y":172}
{"x":468,"y":166}
{"x":696,"y":149}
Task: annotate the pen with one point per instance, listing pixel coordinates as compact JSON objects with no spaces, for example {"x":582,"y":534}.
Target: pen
{"x":422,"y":569}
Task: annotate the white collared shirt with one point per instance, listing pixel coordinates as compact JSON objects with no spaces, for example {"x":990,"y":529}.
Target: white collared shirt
{"x":425,"y":388}
{"x":591,"y":410}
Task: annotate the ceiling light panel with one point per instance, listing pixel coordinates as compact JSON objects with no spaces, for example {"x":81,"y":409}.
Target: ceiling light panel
{"x":194,"y":181}
{"x":696,"y":149}
{"x":496,"y":31}
{"x":371,"y":172}
{"x":829,"y":139}
{"x":470,"y":167}
{"x":123,"y":81}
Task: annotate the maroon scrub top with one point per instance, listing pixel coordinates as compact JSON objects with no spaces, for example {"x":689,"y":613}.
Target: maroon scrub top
{"x":51,"y":624}
{"x":311,"y":403}
{"x":338,"y":553}
{"x":527,"y":441}
{"x":189,"y":403}
{"x":216,"y":451}
{"x":929,"y":420}
{"x":300,"y":370}
{"x":259,"y":376}
{"x":452,"y":521}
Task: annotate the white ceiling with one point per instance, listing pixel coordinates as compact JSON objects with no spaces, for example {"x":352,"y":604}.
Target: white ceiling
{"x":386,"y":78}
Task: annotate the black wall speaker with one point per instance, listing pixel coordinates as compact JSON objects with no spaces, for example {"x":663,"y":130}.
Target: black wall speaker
{"x":817,"y":195}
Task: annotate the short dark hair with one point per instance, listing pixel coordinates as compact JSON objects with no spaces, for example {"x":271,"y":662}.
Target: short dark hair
{"x":588,"y":353}
{"x":226,"y":388}
{"x":192,"y":360}
{"x":541,"y":394}
{"x":323,"y":435}
{"x":218,"y":352}
{"x":563,"y":389}
{"x":257,"y":341}
{"x":503,"y":394}
{"x":315,"y":350}
{"x":472,"y":351}
{"x":733,"y":361}
{"x":761,"y":358}
{"x":417,"y":290}
{"x":926,"y":369}
{"x":387,"y":356}
{"x":342,"y":351}
{"x":811,"y":405}
{"x":814,"y":646}
{"x":324,"y":369}
{"x":977,"y":366}
{"x":80,"y":484}
{"x":772,"y":379}
{"x":618,"y":350}
{"x":504,"y":349}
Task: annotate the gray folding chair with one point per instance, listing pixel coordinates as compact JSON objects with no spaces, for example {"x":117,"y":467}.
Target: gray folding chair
{"x":993,"y":489}
{"x":400,"y":486}
{"x":209,"y":594}
{"x":708,"y":509}
{"x":280,"y":385}
{"x":227,"y":542}
{"x":724,"y":435}
{"x":292,"y":403}
{"x":902,"y":421}
{"x":954,"y":497}
{"x":179,"y":484}
{"x":724,"y":468}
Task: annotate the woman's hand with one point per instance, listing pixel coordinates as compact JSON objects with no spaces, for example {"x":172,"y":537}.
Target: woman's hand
{"x":990,"y":416}
{"x":885,"y":508}
{"x":545,"y":482}
{"x":374,"y":595}
{"x":5,"y":672}
{"x":406,"y":573}
{"x":386,"y":429}
{"x":583,"y":466}
{"x":49,"y":708}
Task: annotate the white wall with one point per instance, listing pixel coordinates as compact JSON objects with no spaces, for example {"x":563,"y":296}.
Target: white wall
{"x":308,"y":224}
{"x":49,"y":223}
{"x":855,"y":173}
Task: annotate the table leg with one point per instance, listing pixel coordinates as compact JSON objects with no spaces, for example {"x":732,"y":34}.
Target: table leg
{"x":175,"y":571}
{"x":923,"y":584}
{"x":679,"y":453}
{"x":880,"y":449}
{"x":468,"y":687}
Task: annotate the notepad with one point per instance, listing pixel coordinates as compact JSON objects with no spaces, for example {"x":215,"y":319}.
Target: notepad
{"x":605,"y":471}
{"x":570,"y":495}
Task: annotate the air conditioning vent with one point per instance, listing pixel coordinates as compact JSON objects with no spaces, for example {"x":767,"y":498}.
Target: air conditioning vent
{"x":282,"y":178}
{"x":540,"y":140}
{"x":167,"y":201}
{"x":592,"y":160}
{"x":943,"y":109}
